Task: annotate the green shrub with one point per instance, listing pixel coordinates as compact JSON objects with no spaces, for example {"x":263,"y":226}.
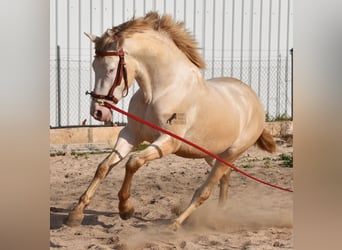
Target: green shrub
{"x":141,"y":146}
{"x":287,"y":160}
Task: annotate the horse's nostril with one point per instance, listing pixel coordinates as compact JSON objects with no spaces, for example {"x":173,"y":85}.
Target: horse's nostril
{"x":98,"y":114}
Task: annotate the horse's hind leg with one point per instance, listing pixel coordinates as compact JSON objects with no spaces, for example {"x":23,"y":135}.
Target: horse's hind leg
{"x":162,"y":146}
{"x":219,"y":172}
{"x":122,"y":148}
{"x":210,"y":160}
{"x":224,"y":182}
{"x":224,"y":185}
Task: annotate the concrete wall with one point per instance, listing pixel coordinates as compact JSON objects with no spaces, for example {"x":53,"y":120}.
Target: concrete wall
{"x":279,"y":129}
{"x":107,"y":135}
{"x":82,"y":140}
{"x":90,"y":139}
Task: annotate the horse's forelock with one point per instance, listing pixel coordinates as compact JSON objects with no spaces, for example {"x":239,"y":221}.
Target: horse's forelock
{"x":104,"y":42}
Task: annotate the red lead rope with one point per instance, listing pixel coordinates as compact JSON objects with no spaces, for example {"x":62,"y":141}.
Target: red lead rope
{"x":138,"y":119}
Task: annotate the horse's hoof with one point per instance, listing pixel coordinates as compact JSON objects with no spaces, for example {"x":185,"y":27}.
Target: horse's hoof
{"x":74,"y":219}
{"x":125,"y":215}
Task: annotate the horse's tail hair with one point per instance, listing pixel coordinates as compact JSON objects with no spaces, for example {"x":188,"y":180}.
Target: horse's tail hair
{"x":266,"y":142}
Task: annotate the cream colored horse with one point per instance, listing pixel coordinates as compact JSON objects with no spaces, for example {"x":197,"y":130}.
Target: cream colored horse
{"x":222,"y":115}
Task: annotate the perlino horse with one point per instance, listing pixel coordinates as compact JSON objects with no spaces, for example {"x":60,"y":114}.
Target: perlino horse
{"x":222,"y":115}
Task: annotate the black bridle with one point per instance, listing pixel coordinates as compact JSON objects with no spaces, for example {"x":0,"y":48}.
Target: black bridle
{"x":121,"y":72}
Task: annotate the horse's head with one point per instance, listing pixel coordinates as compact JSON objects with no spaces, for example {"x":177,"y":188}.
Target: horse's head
{"x":113,"y":75}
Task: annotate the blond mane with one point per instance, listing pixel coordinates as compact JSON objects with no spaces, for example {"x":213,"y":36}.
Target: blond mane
{"x":175,"y":30}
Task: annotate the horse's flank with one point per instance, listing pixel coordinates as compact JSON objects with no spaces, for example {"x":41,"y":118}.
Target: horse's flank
{"x":152,"y":21}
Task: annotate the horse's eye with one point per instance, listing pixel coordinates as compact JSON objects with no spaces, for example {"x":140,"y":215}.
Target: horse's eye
{"x":111,"y":71}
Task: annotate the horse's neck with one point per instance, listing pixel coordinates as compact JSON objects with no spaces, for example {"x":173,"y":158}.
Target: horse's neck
{"x":157,"y":80}
{"x":161,"y":66}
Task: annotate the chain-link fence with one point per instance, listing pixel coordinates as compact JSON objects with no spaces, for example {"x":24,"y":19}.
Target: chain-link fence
{"x":270,"y":79}
{"x":249,"y":40}
{"x":70,"y":79}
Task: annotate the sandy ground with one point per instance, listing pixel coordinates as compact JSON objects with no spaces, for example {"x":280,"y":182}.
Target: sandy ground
{"x":255,"y":217}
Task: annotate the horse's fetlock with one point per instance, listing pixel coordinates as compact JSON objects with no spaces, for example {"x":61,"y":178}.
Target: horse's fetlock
{"x":204,"y":195}
{"x":123,"y":196}
{"x":84,"y":199}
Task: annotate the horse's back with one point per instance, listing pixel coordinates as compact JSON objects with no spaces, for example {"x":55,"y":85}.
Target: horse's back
{"x":232,"y":86}
{"x":235,"y":94}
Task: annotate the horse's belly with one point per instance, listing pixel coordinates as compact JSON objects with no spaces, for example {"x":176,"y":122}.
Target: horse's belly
{"x":190,"y":152}
{"x":215,"y":145}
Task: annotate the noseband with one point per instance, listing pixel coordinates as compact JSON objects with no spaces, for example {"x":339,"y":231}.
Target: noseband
{"x":120,"y":72}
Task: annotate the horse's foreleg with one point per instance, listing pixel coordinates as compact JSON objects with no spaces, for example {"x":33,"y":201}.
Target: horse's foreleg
{"x":122,"y":148}
{"x":162,"y":146}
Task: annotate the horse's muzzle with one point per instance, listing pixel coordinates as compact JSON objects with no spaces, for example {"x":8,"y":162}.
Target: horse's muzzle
{"x":100,"y":112}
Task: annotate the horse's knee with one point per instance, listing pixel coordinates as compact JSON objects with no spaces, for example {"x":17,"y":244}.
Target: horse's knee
{"x":134,"y":163}
{"x":102,"y":170}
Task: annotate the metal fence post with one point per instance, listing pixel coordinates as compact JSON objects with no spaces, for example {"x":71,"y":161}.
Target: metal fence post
{"x":291,"y":53}
{"x":256,"y":41}
{"x":58,"y":86}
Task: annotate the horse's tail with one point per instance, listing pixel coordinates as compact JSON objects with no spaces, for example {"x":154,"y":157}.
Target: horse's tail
{"x":266,"y":142}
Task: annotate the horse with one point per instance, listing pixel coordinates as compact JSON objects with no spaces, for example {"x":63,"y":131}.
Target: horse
{"x":173,"y":116}
{"x":223,"y":115}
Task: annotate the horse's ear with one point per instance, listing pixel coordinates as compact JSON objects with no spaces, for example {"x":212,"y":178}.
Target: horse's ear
{"x":110,"y":32}
{"x":92,"y":38}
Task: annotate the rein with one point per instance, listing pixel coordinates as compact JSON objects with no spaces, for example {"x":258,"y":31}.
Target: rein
{"x":121,"y":72}
{"x":138,"y":119}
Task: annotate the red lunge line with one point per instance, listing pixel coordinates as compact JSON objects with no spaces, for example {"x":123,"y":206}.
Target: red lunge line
{"x":138,"y":119}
